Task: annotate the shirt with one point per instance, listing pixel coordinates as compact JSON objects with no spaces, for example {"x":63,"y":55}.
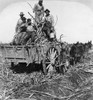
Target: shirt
{"x":50,"y":19}
{"x":38,"y":9}
{"x":30,"y":28}
{"x":19,"y":23}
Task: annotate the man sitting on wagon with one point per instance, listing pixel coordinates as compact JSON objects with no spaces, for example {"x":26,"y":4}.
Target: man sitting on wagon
{"x":20,"y":23}
{"x":48,"y":27}
{"x":30,"y":32}
{"x":20,"y":29}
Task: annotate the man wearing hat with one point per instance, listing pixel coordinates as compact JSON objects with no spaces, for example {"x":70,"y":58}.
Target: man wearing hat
{"x":20,"y":28}
{"x":20,"y":22}
{"x":39,"y":11}
{"x":31,"y":32}
{"x":49,"y":17}
{"x":49,"y":25}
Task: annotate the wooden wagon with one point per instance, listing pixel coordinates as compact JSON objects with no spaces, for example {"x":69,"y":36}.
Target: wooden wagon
{"x":47,"y":52}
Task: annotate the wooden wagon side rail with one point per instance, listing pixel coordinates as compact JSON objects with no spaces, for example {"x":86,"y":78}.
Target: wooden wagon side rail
{"x":26,"y":53}
{"x":15,"y":46}
{"x":15,"y":58}
{"x":13,"y":53}
{"x":25,"y":46}
{"x":17,"y":53}
{"x":11,"y":59}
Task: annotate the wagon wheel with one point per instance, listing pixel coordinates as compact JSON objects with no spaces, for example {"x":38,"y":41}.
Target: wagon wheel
{"x":51,"y":58}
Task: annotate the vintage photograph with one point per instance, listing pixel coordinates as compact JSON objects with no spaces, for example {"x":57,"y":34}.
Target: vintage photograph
{"x":46,"y":49}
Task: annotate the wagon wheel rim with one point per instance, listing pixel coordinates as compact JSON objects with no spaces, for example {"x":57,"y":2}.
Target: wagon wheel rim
{"x":51,"y":56}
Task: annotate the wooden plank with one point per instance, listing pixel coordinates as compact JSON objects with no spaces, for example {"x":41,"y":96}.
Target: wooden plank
{"x":20,"y":46}
{"x":17,"y":46}
{"x":14,"y":58}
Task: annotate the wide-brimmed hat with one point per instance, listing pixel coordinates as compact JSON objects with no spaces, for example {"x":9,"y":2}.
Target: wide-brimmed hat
{"x":47,"y":10}
{"x":21,"y":13}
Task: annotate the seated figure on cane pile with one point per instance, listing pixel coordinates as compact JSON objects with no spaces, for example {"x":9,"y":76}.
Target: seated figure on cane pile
{"x":39,"y":11}
{"x":20,"y":22}
{"x":30,"y":32}
{"x":48,"y":27}
{"x":20,"y":29}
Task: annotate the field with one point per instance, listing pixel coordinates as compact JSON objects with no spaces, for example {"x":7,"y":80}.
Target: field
{"x":76,"y":84}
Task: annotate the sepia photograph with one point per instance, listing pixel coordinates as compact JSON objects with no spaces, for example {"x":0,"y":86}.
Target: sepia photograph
{"x":46,"y":49}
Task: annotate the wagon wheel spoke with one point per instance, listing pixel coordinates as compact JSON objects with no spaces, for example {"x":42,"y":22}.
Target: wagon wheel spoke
{"x":52,"y":55}
{"x":47,"y":62}
{"x":51,"y":58}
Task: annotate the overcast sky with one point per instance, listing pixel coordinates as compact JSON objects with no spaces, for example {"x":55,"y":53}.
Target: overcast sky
{"x":75,"y":18}
{"x":5,"y":3}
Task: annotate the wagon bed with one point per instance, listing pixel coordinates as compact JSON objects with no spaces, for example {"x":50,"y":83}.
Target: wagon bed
{"x":13,"y":53}
{"x":38,"y":53}
{"x":19,"y":53}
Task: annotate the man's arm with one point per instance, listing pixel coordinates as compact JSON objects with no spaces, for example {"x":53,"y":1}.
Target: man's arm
{"x":17,"y":26}
{"x":52,"y":20}
{"x":42,"y":8}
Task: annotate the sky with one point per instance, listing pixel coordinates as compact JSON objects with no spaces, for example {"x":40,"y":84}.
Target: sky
{"x":73,"y":18}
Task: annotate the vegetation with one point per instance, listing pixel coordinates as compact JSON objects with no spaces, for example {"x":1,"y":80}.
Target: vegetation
{"x":75,"y":84}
